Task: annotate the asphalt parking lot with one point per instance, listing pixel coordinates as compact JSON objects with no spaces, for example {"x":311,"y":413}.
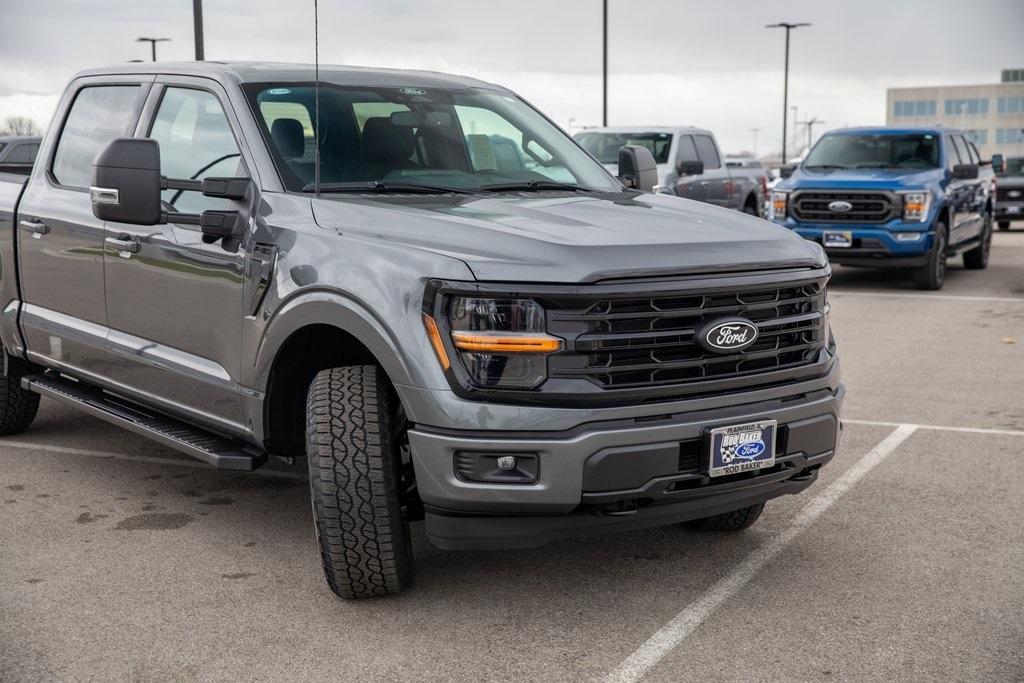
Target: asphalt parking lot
{"x":120,"y":559}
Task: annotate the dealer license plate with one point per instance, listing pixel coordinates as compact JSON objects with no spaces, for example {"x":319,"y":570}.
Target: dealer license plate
{"x":837,"y":239}
{"x":741,"y":448}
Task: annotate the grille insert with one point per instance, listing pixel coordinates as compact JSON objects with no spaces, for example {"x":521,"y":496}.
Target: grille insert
{"x":866,"y":207}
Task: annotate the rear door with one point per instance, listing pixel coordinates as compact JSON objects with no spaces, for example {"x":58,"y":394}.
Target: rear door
{"x":60,"y":242}
{"x":174,"y":302}
{"x":689,"y":186}
{"x":715,"y":181}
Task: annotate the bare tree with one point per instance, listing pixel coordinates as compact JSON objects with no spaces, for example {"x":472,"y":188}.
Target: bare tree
{"x":19,"y":125}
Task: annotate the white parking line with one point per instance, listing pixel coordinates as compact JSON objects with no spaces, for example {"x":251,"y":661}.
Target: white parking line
{"x":193,"y":464}
{"x":940,"y":428}
{"x":686,"y":622}
{"x":939,"y":297}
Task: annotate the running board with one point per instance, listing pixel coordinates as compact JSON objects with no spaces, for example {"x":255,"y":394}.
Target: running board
{"x":218,"y":451}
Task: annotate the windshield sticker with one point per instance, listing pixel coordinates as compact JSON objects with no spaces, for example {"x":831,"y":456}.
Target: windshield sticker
{"x":279,"y":91}
{"x":412,"y":91}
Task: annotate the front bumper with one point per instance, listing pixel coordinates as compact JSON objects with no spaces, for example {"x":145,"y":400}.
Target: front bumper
{"x":873,"y":245}
{"x":614,"y":475}
{"x":1009,"y":211}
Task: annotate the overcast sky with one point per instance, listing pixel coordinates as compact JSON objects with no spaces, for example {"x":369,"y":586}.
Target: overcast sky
{"x":704,"y":63}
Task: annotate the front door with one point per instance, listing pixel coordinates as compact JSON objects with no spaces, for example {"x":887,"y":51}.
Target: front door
{"x":60,"y":242}
{"x":715,"y":180}
{"x":174,"y":302}
{"x":688,"y":186}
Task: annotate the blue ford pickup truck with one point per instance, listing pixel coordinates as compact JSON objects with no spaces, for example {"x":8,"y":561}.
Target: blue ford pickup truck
{"x":892,"y":197}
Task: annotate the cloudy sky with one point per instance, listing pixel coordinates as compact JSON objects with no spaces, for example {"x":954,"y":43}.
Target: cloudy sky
{"x":696,"y":62}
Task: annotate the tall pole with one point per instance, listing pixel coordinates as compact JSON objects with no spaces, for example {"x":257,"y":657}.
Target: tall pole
{"x":755,"y":131}
{"x":785,"y":80}
{"x":604,"y":65}
{"x":152,"y":44}
{"x":197,"y":28}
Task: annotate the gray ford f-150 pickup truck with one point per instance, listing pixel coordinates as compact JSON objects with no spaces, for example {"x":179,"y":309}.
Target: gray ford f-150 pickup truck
{"x":425,"y":288}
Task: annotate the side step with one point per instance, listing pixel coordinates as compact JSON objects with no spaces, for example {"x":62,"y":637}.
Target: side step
{"x":218,"y":451}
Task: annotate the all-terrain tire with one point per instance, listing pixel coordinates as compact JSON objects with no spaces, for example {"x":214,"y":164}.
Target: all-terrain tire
{"x":17,"y":407}
{"x":353,"y":476}
{"x":977,"y":258}
{"x":737,"y":520}
{"x":933,"y":273}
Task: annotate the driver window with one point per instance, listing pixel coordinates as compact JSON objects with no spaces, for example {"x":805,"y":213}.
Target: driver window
{"x":195,"y":143}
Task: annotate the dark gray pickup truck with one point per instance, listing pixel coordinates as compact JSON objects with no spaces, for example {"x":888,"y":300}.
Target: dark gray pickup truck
{"x":426,"y":289}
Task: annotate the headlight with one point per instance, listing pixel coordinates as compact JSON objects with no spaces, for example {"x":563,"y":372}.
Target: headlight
{"x":778,"y":204}
{"x":915,"y":206}
{"x":501,"y":342}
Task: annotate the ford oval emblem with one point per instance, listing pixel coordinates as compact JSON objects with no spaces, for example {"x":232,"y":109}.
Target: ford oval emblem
{"x":750,"y":449}
{"x":727,"y":336}
{"x":839,"y":206}
{"x":1014,"y":193}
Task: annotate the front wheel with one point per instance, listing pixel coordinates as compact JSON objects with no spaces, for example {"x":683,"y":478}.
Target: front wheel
{"x":17,"y":407}
{"x":977,"y":258}
{"x":933,"y":273}
{"x":737,"y":520}
{"x":354,"y":432}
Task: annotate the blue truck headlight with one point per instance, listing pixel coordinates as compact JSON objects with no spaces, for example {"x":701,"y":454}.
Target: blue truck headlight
{"x":502,"y":342}
{"x":916,"y":205}
{"x":777,"y":207}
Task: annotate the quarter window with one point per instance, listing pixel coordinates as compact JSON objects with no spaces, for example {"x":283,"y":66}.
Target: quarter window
{"x":99,"y":114}
{"x":195,"y":143}
{"x":707,"y":151}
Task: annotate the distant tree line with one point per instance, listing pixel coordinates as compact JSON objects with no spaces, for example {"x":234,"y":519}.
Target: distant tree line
{"x":20,"y":125}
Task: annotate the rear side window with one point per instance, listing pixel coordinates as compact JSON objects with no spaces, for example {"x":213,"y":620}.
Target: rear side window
{"x":707,"y":151}
{"x":686,"y":151}
{"x":961,"y":149}
{"x":98,"y":115}
{"x":23,"y":154}
{"x":975,"y":157}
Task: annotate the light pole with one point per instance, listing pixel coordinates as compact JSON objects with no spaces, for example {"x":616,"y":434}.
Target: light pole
{"x":795,"y":122}
{"x":152,"y":43}
{"x":785,"y":79}
{"x":755,"y":131}
{"x":197,"y":28}
{"x":604,"y":64}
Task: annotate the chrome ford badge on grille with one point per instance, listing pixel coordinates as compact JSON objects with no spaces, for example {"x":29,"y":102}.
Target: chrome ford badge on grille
{"x":727,"y":336}
{"x":839,"y":206}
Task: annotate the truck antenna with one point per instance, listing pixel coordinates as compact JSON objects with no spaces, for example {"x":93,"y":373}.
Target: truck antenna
{"x":316,"y":99}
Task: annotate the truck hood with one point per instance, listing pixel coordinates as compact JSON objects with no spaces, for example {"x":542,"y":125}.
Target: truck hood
{"x":1014,"y":181}
{"x":570,"y":238}
{"x":862,"y":179}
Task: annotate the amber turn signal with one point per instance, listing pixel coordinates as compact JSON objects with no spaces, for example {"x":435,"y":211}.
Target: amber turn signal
{"x":435,"y":341}
{"x":505,"y":343}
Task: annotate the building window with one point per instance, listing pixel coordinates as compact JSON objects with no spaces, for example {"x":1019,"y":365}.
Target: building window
{"x":1009,"y":136}
{"x":915,"y":108}
{"x":970,"y":106}
{"x":978,"y":137}
{"x":1011,"y":105}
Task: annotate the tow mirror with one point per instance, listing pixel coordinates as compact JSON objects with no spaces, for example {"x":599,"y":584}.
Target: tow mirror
{"x":637,"y":168}
{"x":787,"y":170}
{"x":998,"y":163}
{"x":965,"y":171}
{"x":690,"y":168}
{"x":126,"y":186}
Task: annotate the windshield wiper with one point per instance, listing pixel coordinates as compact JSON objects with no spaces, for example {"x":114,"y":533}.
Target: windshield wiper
{"x":387,"y":186}
{"x":529,"y":186}
{"x":826,"y":167}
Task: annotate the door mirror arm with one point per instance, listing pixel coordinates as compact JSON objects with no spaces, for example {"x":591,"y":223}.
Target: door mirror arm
{"x":222,"y":188}
{"x":214,"y":225}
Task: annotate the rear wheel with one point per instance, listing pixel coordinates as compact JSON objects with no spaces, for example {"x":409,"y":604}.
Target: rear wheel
{"x":977,"y":258}
{"x":354,"y":438}
{"x":1004,"y":225}
{"x":737,"y":520}
{"x":750,"y":209}
{"x":933,"y":273}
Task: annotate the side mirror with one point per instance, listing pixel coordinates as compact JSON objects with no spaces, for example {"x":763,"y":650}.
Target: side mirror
{"x":690,"y":167}
{"x":637,"y":168}
{"x":998,"y":163}
{"x":126,"y":182}
{"x":787,"y":170}
{"x":965,"y":171}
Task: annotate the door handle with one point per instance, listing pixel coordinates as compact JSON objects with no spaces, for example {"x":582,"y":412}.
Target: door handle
{"x":37,"y":227}
{"x":124,"y":244}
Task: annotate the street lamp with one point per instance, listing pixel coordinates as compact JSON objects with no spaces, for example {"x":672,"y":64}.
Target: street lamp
{"x":785,"y":82}
{"x":604,"y":65}
{"x":152,"y":43}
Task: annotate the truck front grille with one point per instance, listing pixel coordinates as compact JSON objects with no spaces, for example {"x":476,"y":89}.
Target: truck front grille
{"x":1003,"y":194}
{"x":865,"y":207}
{"x":629,"y":341}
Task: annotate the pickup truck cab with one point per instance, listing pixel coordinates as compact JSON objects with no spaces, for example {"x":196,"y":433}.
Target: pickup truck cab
{"x":892,"y":198}
{"x":17,"y":153}
{"x":689,"y":162}
{"x":424,"y":288}
{"x":1010,"y":192}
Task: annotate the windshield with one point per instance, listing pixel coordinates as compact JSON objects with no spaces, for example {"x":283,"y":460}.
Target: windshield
{"x":605,"y":146}
{"x":410,"y":138}
{"x":1014,"y":167}
{"x":875,"y":151}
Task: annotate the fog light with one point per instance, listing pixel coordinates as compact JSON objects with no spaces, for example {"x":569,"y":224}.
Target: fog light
{"x":506,"y":463}
{"x":907,"y":236}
